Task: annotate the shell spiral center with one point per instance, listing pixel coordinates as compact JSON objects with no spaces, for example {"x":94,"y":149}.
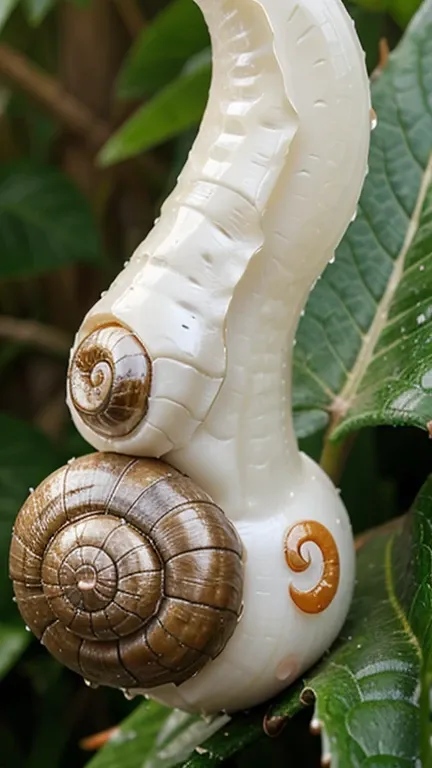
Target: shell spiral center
{"x":101,"y":577}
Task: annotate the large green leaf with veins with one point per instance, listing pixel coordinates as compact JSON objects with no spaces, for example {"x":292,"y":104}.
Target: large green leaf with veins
{"x":364,"y":345}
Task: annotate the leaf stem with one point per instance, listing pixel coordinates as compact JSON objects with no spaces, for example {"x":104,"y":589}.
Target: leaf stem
{"x":335,"y":455}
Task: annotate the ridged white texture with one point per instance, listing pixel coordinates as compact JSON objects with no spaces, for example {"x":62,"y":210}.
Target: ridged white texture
{"x":215,"y":293}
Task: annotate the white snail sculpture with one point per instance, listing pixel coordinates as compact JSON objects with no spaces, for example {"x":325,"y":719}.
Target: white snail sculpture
{"x":126,"y":569}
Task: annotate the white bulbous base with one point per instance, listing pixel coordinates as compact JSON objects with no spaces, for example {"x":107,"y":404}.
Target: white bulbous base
{"x":275,"y":642}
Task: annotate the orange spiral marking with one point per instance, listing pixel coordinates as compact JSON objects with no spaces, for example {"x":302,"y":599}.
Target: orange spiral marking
{"x":319,"y":598}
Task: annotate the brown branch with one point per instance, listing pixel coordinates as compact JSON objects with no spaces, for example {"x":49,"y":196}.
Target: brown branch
{"x":69,"y":110}
{"x":131,"y":16}
{"x":48,"y":91}
{"x":35,"y":334}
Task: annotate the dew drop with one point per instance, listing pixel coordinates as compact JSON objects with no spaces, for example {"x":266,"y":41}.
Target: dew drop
{"x":127,"y":694}
{"x":422,"y":268}
{"x":89,"y":684}
{"x":27,"y":628}
{"x":315,"y":726}
{"x":421,"y":319}
{"x":354,"y":216}
{"x":31,"y":490}
{"x":374,"y":119}
{"x":241,"y":612}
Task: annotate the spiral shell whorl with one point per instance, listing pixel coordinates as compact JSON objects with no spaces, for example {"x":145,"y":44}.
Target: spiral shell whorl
{"x":126,"y":571}
{"x":109,"y":381}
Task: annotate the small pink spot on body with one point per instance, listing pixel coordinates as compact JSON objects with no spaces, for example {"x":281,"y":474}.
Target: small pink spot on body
{"x":288,"y":669}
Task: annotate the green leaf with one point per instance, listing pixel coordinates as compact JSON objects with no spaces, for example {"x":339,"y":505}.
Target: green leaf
{"x":246,"y":729}
{"x":26,"y":458}
{"x":371,"y":692}
{"x":173,"y":110}
{"x":6,"y":8}
{"x":154,"y":736}
{"x":403,"y":10}
{"x":373,"y":5}
{"x":36,"y":10}
{"x":13,"y":641}
{"x":45,"y":222}
{"x":160,"y":52}
{"x":364,"y":352}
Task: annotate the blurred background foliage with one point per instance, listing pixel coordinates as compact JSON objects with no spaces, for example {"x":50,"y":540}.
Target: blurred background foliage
{"x":99,"y":104}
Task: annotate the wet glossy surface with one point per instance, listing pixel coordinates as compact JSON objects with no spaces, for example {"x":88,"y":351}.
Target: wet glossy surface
{"x":126,"y":571}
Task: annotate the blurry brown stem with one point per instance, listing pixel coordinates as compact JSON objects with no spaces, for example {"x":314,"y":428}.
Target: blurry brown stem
{"x":69,"y":110}
{"x":132,"y":16}
{"x":36,"y":334}
{"x":48,"y":91}
{"x":98,"y":740}
{"x":384,"y":54}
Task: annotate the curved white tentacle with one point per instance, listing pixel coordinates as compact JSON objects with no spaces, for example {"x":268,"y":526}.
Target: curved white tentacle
{"x":215,"y":293}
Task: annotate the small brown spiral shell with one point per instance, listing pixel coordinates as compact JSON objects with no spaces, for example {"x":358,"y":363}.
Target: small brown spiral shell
{"x":109,"y":380}
{"x":127,"y":572}
{"x":319,"y":598}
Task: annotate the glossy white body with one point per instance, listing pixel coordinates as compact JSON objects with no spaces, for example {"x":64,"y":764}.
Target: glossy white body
{"x":215,"y":293}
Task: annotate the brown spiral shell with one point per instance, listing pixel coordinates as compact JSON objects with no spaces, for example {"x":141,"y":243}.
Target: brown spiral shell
{"x":109,"y":380}
{"x":127,"y":572}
